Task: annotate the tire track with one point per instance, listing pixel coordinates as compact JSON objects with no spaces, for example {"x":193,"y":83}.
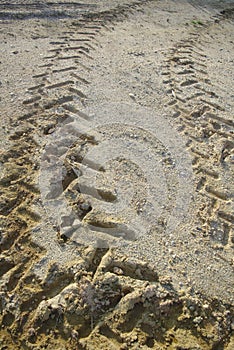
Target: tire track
{"x":56,"y":82}
{"x":199,"y":112}
{"x":49,"y":95}
{"x":109,"y":297}
{"x":53,"y":89}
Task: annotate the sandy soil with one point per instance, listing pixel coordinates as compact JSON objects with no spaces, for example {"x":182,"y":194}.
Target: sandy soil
{"x":116,"y":175}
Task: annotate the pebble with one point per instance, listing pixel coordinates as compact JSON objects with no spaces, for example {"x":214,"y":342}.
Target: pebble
{"x":118,"y":270}
{"x":192,"y":308}
{"x":197,"y":320}
{"x":134,"y":338}
{"x":132,"y":96}
{"x":85,"y":206}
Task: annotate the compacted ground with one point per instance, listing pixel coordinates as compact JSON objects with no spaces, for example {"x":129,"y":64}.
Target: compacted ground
{"x":116,"y":160}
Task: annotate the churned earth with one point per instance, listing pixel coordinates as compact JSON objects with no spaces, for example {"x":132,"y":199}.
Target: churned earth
{"x":116,"y":161}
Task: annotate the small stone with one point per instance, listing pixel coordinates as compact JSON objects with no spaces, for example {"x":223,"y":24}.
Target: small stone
{"x":197,"y":320}
{"x":134,"y":338}
{"x":192,"y":308}
{"x":118,"y":270}
{"x":85,"y":206}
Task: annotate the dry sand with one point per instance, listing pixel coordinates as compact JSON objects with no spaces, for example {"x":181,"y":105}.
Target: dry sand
{"x":117,"y":175}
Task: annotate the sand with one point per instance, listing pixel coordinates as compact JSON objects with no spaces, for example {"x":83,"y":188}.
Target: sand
{"x":116,"y":175}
